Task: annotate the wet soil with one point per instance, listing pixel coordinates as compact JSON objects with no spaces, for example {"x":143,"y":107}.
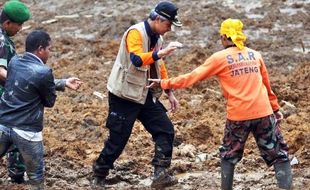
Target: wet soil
{"x":85,"y":43}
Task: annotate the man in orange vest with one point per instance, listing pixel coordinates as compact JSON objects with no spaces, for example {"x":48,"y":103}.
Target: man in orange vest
{"x":138,"y":58}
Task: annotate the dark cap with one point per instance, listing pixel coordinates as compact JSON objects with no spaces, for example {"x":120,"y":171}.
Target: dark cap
{"x":169,"y":11}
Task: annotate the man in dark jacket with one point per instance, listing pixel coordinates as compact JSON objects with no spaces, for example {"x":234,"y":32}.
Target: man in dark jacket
{"x":13,"y":15}
{"x":29,"y":88}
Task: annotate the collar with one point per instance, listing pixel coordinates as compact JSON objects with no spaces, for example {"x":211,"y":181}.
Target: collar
{"x":5,"y":34}
{"x":33,"y":55}
{"x":233,"y":45}
{"x":2,"y":31}
{"x":148,"y":29}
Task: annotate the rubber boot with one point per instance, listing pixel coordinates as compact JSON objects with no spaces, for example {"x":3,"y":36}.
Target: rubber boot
{"x":227,"y":175}
{"x":283,"y":175}
{"x":162,"y":178}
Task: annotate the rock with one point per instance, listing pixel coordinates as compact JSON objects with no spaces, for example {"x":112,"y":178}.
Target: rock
{"x":83,"y":182}
{"x":201,"y":157}
{"x":186,"y":150}
{"x":287,"y":108}
{"x":99,"y":95}
{"x":196,"y":100}
{"x":294,"y":161}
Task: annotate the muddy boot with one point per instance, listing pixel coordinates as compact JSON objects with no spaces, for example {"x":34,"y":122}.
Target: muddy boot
{"x":98,"y":181}
{"x":18,"y":179}
{"x":227,"y":175}
{"x":283,"y":175}
{"x":162,"y":178}
{"x":100,"y":174}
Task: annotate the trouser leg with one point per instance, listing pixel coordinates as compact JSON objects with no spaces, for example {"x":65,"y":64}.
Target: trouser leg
{"x":122,"y":115}
{"x":114,"y":145}
{"x":5,"y":140}
{"x":16,"y":166}
{"x":32,"y":153}
{"x":231,"y":150}
{"x":235,"y":136}
{"x":155,"y":120}
{"x":274,"y":150}
{"x":270,"y":141}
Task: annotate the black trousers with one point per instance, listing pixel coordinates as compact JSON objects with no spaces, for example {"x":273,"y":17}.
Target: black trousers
{"x":120,"y":121}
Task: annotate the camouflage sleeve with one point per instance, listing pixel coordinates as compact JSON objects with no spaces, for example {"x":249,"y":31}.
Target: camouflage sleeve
{"x":3,"y":53}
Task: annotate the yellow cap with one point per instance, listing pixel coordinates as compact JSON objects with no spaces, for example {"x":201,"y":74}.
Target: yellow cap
{"x":232,"y":28}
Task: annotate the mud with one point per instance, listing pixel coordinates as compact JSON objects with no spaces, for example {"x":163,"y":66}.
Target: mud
{"x":85,"y":45}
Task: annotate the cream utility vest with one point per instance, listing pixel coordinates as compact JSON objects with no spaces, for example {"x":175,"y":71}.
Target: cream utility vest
{"x":126,"y":80}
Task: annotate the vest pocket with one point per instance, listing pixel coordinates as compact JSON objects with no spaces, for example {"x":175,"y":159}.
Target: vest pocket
{"x":134,"y":85}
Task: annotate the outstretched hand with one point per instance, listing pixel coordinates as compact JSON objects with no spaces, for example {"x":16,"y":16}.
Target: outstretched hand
{"x":172,"y":99}
{"x":73,"y":83}
{"x":169,"y":49}
{"x":155,"y":82}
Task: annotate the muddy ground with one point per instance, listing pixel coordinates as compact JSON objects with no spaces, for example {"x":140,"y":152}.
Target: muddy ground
{"x":85,"y":43}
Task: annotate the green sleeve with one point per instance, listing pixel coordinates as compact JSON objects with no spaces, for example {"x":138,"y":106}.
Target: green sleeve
{"x":3,"y":63}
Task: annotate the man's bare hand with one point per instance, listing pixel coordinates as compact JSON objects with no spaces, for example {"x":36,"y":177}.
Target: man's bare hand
{"x":279,"y":116}
{"x":73,"y":83}
{"x":169,"y":49}
{"x":173,"y":101}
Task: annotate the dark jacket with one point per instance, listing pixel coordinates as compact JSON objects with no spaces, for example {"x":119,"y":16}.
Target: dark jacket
{"x":28,"y":89}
